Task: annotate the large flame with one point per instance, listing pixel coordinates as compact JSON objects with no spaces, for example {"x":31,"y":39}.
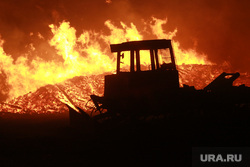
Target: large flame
{"x":84,"y":55}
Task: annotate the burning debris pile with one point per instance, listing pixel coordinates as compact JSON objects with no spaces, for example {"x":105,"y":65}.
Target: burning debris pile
{"x":52,"y":98}
{"x":200,"y":76}
{"x":44,"y":100}
{"x":78,"y":90}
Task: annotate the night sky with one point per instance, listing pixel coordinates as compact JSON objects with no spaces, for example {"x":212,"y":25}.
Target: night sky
{"x":218,"y":28}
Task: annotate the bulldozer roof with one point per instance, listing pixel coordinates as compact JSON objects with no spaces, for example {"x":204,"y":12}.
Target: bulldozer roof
{"x":141,"y":45}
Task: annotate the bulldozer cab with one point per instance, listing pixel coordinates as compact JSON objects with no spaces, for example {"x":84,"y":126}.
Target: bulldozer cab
{"x":140,"y":79}
{"x":158,"y":52}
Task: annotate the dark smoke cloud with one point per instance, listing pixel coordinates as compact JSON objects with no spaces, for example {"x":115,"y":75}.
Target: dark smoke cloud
{"x":220,"y":28}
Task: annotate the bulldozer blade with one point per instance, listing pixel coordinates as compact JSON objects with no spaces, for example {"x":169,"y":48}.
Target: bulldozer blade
{"x":81,"y":120}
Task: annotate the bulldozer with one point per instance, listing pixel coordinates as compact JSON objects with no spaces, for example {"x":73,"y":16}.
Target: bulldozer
{"x":134,"y":91}
{"x":154,"y":90}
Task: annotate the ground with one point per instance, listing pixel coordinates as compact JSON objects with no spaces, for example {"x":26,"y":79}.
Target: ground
{"x":49,"y":140}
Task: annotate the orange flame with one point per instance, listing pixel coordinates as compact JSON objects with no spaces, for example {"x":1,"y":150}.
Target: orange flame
{"x":87,"y":54}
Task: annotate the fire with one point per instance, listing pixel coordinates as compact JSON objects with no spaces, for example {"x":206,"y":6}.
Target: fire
{"x":85,"y":55}
{"x":190,"y":56}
